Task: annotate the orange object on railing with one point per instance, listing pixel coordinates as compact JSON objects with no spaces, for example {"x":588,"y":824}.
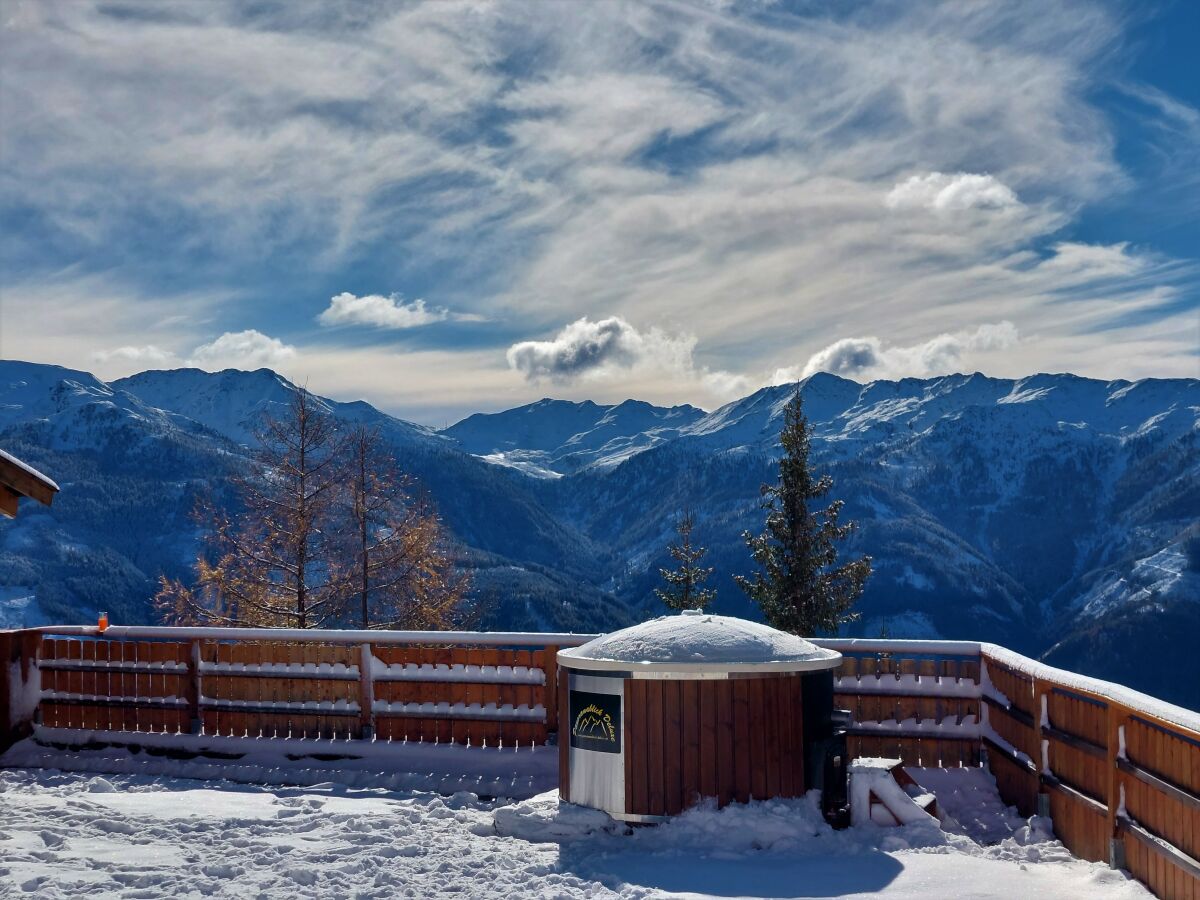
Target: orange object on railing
{"x":102,"y":623}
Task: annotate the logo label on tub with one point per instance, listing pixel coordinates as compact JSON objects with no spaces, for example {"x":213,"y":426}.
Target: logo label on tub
{"x":596,"y":722}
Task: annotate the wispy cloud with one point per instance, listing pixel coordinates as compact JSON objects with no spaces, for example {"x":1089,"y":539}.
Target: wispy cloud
{"x":147,"y":355}
{"x":732,"y":188}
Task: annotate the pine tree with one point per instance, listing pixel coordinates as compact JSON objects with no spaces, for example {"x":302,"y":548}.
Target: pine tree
{"x":399,"y":570}
{"x":272,"y":564}
{"x":799,"y":587}
{"x":684,"y":588}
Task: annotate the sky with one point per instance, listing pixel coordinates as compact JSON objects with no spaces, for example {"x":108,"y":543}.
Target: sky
{"x":455,"y":206}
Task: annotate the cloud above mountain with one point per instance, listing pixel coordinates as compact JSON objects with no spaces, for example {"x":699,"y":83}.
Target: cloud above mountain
{"x":871,"y":357}
{"x":148,"y":355}
{"x":248,"y":349}
{"x":587,"y":349}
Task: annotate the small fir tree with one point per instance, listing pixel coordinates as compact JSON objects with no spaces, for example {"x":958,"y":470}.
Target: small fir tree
{"x":799,"y":587}
{"x":685,"y":588}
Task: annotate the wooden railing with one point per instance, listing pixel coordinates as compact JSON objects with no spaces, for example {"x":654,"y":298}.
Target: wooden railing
{"x":919,"y":705}
{"x":483,"y":689}
{"x":1118,"y":772}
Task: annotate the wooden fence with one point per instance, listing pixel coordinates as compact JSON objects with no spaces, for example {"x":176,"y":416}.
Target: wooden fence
{"x":335,"y":685}
{"x":1116,"y":771}
{"x":915,"y":705}
{"x":1119,"y":778}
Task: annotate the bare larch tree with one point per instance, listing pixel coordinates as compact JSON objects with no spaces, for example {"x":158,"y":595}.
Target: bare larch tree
{"x":399,"y":568}
{"x":271,"y":564}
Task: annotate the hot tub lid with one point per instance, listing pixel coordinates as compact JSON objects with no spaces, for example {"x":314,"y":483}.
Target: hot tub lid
{"x":699,"y":643}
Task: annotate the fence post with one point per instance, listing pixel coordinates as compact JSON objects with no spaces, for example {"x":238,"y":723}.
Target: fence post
{"x":20,"y":685}
{"x":1113,"y":735}
{"x":366,"y":692}
{"x":193,"y":689}
{"x":550,"y":669}
{"x":1041,"y":715}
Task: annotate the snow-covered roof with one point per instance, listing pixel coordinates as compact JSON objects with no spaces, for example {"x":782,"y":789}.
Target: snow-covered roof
{"x":18,"y":479}
{"x":29,"y":470}
{"x":696,"y":642}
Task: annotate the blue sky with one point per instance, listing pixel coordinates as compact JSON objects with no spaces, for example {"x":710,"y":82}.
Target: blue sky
{"x":459,"y":206}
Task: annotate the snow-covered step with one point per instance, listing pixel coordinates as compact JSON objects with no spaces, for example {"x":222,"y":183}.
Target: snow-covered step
{"x":456,"y":672}
{"x":522,"y":712}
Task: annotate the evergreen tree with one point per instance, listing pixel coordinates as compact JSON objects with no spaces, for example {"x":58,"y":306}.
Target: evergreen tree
{"x":799,"y":587}
{"x":684,"y":588}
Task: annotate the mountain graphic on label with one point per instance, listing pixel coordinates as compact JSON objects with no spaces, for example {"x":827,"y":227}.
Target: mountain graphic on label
{"x":594,"y":723}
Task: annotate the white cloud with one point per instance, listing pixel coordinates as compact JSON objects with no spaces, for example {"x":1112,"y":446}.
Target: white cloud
{"x":870,"y":357}
{"x":148,"y":355}
{"x":1093,"y":261}
{"x":248,"y":349}
{"x":941,"y":192}
{"x":587,"y":349}
{"x":380,"y":311}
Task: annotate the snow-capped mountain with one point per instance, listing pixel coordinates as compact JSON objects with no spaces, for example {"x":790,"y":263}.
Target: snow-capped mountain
{"x":1032,"y":511}
{"x":232,"y":403}
{"x":131,"y":468}
{"x":554,"y":437}
{"x":1048,"y":513}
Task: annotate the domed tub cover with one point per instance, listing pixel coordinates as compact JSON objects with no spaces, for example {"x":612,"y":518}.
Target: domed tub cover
{"x":688,"y":706}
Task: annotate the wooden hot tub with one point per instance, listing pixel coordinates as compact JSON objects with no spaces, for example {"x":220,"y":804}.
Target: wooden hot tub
{"x":660,"y":715}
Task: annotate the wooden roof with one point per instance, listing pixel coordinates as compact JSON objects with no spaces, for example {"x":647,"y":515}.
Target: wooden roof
{"x":17,"y":480}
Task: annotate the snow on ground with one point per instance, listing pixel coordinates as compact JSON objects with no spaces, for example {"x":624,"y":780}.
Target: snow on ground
{"x":396,"y":766}
{"x":126,"y":836}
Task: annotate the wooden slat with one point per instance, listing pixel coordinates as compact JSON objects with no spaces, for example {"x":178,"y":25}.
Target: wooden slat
{"x":726,"y":773}
{"x":742,"y":726}
{"x":769,"y":688}
{"x":709,"y":761}
{"x":758,"y":740}
{"x":689,"y":724}
{"x":655,"y":760}
{"x":672,"y":748}
{"x":637,"y":718}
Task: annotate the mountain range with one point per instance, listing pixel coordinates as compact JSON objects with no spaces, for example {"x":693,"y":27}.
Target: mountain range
{"x":1057,"y":515}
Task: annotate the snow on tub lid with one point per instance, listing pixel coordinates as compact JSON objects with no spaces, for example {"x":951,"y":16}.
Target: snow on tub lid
{"x":696,"y":642}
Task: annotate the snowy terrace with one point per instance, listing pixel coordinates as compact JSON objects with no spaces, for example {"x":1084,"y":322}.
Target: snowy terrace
{"x":166,"y":762}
